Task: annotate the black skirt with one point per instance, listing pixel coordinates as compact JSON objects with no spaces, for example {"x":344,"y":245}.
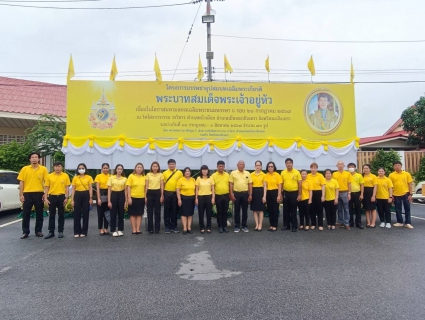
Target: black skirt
{"x":188,"y":206}
{"x":367,"y":196}
{"x":137,"y":207}
{"x":257,"y":199}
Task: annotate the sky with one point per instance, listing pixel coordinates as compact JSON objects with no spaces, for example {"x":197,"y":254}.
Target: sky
{"x":36,"y":45}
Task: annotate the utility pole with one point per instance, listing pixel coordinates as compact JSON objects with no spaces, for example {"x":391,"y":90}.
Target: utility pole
{"x":210,"y":54}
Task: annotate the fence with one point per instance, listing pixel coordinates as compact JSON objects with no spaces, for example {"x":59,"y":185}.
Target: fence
{"x":412,"y":159}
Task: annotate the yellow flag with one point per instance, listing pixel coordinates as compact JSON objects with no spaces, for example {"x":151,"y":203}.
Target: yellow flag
{"x":227,"y":66}
{"x":114,"y":71}
{"x":267,"y":64}
{"x":157,"y":71}
{"x":310,"y":66}
{"x":352,"y":73}
{"x":71,"y":72}
{"x":200,"y":70}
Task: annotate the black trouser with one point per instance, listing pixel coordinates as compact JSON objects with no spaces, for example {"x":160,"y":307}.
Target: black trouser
{"x":154,"y":204}
{"x":81,"y":208}
{"x":222,"y":205}
{"x":170,"y":210}
{"x":304,"y":212}
{"x":102,"y":222}
{"x":316,"y":208}
{"x":204,"y":205}
{"x":290,"y":208}
{"x":118,"y":203}
{"x":330,"y":209}
{"x":32,"y":199}
{"x":272,"y":207}
{"x":241,"y":202}
{"x":56,"y":202}
{"x":384,"y":210}
{"x":355,"y":206}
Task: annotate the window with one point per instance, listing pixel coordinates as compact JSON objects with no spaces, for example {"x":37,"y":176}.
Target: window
{"x":4,"y":178}
{"x":14,"y":178}
{"x":6,"y":138}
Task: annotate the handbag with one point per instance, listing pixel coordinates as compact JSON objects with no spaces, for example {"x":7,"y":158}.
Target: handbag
{"x":107,"y":215}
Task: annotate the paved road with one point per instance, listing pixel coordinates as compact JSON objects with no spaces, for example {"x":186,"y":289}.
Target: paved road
{"x":358,"y":274}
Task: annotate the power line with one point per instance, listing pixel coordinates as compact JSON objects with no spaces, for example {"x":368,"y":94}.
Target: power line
{"x":55,"y":1}
{"x":96,"y":8}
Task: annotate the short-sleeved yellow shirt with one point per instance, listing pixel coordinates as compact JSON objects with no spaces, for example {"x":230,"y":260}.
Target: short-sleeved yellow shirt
{"x":258,"y":179}
{"x":240,"y":180}
{"x":330,"y":189}
{"x":306,"y":187}
{"x":172,"y":182}
{"x":57,"y":183}
{"x":137,"y":185}
{"x":82,"y":183}
{"x":221,"y":183}
{"x":317,"y":181}
{"x":117,"y":184}
{"x":102,"y":179}
{"x":343,"y":178}
{"x":357,"y":182}
{"x":33,"y":178}
{"x":154,"y":180}
{"x":186,"y":187}
{"x":290,"y":179}
{"x":383,"y":188}
{"x":204,"y":186}
{"x":273,"y":180}
{"x":401,"y":182}
{"x":370,"y":180}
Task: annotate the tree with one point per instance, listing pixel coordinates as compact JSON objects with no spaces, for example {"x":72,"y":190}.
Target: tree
{"x":420,"y":174}
{"x":47,"y":136}
{"x":384,"y":159}
{"x":13,"y":155}
{"x":414,"y":122}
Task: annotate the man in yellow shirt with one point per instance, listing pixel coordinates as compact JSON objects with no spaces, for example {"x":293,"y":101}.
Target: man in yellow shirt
{"x":221,"y":190}
{"x":240,"y":193}
{"x":56,"y":189}
{"x":31,"y":188}
{"x":344,"y":179}
{"x":355,"y":203}
{"x":171,"y":176}
{"x":291,"y":194}
{"x":402,"y":194}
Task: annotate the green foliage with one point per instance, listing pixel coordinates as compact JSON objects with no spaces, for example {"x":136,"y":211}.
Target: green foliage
{"x":13,"y":155}
{"x":384,"y":159}
{"x":420,"y":174}
{"x":414,"y":122}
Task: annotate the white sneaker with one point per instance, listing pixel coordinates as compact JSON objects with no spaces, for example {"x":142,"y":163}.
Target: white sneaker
{"x":409,"y":226}
{"x":388,"y":225}
{"x":397,"y":224}
{"x":115,"y":234}
{"x":120,"y":233}
{"x":382,"y":225}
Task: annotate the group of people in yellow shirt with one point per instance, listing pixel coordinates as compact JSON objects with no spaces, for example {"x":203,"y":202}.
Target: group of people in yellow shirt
{"x":340,"y":194}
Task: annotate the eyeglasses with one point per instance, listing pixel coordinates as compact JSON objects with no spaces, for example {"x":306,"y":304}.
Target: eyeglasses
{"x":270,"y":167}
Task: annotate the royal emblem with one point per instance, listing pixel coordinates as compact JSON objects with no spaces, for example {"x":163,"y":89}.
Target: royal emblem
{"x":102,"y":114}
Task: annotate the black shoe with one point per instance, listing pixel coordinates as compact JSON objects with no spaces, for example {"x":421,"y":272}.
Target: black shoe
{"x":359,"y":226}
{"x":225,"y":230}
{"x":39,"y":234}
{"x":294,"y":229}
{"x":60,"y":235}
{"x":220,"y":230}
{"x":24,"y":236}
{"x":174,"y":230}
{"x":190,"y":231}
{"x":351,"y":224}
{"x":151,"y":232}
{"x":285,"y":228}
{"x":50,"y":235}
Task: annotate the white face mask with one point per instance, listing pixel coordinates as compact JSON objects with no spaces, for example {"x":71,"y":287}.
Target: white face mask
{"x":351,"y":170}
{"x":81,"y":171}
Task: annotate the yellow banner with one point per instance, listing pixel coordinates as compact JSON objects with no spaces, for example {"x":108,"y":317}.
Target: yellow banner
{"x":213,"y":110}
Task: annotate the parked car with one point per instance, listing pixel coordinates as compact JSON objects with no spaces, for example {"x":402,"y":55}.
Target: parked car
{"x":418,"y":189}
{"x":9,"y":190}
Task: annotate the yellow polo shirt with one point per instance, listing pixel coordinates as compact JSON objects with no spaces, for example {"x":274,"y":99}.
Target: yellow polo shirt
{"x":306,"y":187}
{"x":330,"y":189}
{"x":370,"y":180}
{"x":343,"y":178}
{"x":186,"y":187}
{"x":117,"y":184}
{"x":33,"y":178}
{"x":290,"y":179}
{"x":401,"y":182}
{"x":258,"y":179}
{"x":57,"y":183}
{"x":102,"y":179}
{"x":137,"y":185}
{"x":240,"y":180}
{"x":273,"y":180}
{"x":317,"y":181}
{"x":154,"y":180}
{"x":221,"y":183}
{"x":204,"y":186}
{"x":172,"y":182}
{"x":82,"y":183}
{"x":356,"y":182}
{"x":382,"y":190}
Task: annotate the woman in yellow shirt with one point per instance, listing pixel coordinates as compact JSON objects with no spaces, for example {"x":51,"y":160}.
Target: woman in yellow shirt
{"x":273,"y":195}
{"x":259,"y":194}
{"x":154,"y":191}
{"x":318,"y":197}
{"x":136,"y":197}
{"x":369,"y":196}
{"x":101,"y":181}
{"x":331,"y":199}
{"x":82,"y":193}
{"x":384,"y":198}
{"x":204,"y":197}
{"x":186,"y":199}
{"x":117,"y":200}
{"x":304,"y":204}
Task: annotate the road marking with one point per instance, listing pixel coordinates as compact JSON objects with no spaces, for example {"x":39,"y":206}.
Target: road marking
{"x":9,"y":223}
{"x":5,"y":269}
{"x":412,"y":216}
